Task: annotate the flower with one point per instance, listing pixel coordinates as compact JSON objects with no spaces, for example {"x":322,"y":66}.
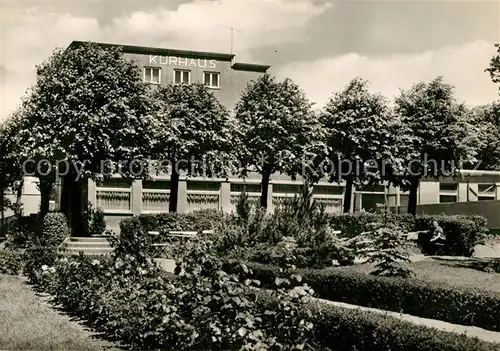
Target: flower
{"x":44,"y":267}
{"x":95,"y":262}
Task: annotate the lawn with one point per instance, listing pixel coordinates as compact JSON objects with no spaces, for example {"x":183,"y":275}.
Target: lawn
{"x":29,"y":323}
{"x":452,"y":273}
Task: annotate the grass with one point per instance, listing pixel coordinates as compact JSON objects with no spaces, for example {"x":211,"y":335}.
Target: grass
{"x":29,"y":323}
{"x":452,"y":273}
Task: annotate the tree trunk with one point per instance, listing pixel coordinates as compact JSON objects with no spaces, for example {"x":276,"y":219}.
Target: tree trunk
{"x":265,"y":189}
{"x":412,"y":199}
{"x":78,"y":227}
{"x":348,"y":195}
{"x":71,"y":205}
{"x":45,"y":187}
{"x":19,"y":193}
{"x":174,"y":190}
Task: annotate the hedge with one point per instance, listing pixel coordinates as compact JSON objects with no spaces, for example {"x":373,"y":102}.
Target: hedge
{"x":463,"y":232}
{"x":194,"y":221}
{"x":458,"y":305}
{"x":346,"y":329}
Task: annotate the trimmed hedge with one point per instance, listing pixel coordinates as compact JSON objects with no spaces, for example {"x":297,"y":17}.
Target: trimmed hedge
{"x":463,"y":232}
{"x":459,"y":305}
{"x":194,"y":221}
{"x":346,"y":329}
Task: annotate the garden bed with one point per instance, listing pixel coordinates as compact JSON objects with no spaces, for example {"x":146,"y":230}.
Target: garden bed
{"x":456,"y":295}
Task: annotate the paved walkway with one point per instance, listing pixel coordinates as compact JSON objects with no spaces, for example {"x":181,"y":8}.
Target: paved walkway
{"x":479,"y":333}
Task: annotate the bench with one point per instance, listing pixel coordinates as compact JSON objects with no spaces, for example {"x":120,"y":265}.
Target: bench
{"x":179,"y":234}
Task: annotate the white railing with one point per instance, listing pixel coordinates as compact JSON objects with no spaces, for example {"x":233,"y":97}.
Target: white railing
{"x":202,"y":200}
{"x":114,"y":199}
{"x":155,"y":200}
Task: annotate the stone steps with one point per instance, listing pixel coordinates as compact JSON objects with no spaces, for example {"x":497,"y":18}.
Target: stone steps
{"x":88,"y":245}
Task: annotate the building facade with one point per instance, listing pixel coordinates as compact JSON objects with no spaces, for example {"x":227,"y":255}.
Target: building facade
{"x":219,"y":72}
{"x":474,"y":192}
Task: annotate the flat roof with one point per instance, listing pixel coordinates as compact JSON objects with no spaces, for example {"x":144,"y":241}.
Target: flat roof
{"x":132,"y":49}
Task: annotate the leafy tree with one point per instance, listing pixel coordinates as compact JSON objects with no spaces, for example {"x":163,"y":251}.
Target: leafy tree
{"x":88,"y":106}
{"x":275,"y":128}
{"x":11,"y":175}
{"x":484,"y":121}
{"x":356,"y":126}
{"x":432,"y":136}
{"x":193,"y":133}
{"x":494,"y":69}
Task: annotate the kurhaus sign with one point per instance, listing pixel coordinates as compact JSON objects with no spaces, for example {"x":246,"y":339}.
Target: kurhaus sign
{"x":181,"y":61}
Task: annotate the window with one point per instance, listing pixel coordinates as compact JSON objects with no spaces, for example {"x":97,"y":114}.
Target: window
{"x":182,"y":76}
{"x":212,"y":79}
{"x":447,"y":198}
{"x":448,"y":192}
{"x":486,"y":192}
{"x":369,"y":202}
{"x":249,"y":188}
{"x":152,"y":75}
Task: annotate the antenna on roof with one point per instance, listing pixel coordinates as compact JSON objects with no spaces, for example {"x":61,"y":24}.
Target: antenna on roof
{"x":232,"y":31}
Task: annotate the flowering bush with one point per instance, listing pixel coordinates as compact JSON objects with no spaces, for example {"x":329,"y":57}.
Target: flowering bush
{"x":10,"y":261}
{"x":128,"y":299}
{"x":43,"y":249}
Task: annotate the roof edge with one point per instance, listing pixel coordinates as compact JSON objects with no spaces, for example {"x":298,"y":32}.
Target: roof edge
{"x":131,"y":49}
{"x":250,"y":67}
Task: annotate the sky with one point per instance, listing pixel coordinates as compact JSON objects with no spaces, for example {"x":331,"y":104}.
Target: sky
{"x":320,"y":45}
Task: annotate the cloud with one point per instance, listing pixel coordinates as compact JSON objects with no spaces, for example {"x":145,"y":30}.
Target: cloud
{"x":203,"y":25}
{"x":462,"y":66}
{"x":31,"y":34}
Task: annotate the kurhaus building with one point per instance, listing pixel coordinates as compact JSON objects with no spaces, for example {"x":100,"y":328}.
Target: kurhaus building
{"x":218,"y":71}
{"x":476,"y":192}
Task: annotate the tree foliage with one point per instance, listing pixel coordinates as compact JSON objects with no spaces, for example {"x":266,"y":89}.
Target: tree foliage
{"x":432,"y":136}
{"x":88,"y":106}
{"x":275,"y":129}
{"x":357,"y":128}
{"x":494,"y":68}
{"x":11,"y":170}
{"x":192,"y":133}
{"x":485,"y":122}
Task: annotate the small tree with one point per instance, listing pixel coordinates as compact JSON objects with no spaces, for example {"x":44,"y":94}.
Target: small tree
{"x":193,"y":133}
{"x":356,"y":126}
{"x":432,"y":136}
{"x":388,"y":252}
{"x":275,"y":127}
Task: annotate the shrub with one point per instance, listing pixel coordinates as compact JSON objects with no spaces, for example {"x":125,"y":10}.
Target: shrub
{"x":97,"y":222}
{"x":459,"y":305}
{"x":10,"y":261}
{"x":54,"y":230}
{"x":43,"y":250}
{"x":21,"y":233}
{"x":387,"y":252}
{"x":340,"y":328}
{"x":133,"y":240}
{"x":203,"y":309}
{"x":463,"y":233}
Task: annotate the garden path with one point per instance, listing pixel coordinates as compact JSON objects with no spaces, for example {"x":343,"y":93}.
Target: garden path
{"x":479,"y":333}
